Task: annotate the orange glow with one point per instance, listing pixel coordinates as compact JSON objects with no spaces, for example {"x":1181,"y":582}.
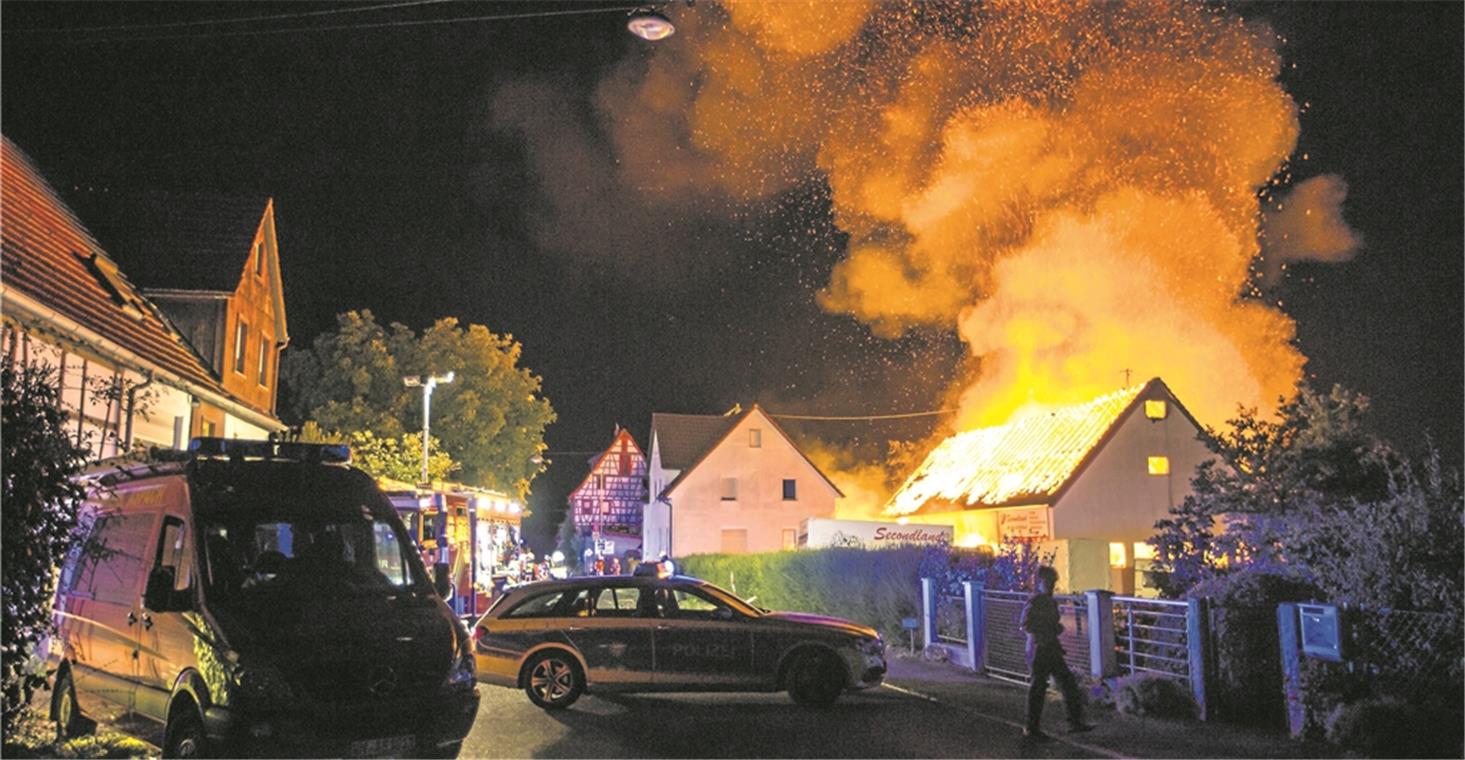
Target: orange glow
{"x":1156,"y":409}
{"x":1158,"y":465}
{"x":1026,"y":459}
{"x":1072,"y":187}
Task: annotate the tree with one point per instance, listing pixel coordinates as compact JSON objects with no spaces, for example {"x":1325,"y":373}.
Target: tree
{"x":39,"y":518}
{"x":1315,"y":495}
{"x":398,"y":458}
{"x":490,"y":419}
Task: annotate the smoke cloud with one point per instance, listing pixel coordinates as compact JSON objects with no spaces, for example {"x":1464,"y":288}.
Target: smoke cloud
{"x":1073,"y":187}
{"x":1308,"y":225}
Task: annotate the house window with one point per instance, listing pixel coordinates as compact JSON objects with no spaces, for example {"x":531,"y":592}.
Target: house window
{"x":264,"y":361}
{"x":208,"y":429}
{"x":734,"y":540}
{"x":241,"y":334}
{"x":1143,"y":551}
{"x":790,"y":538}
{"x":729,"y":489}
{"x":1159,"y":465}
{"x":259,"y":260}
{"x":790,"y":489}
{"x":1117,"y":556}
{"x":755,"y":438}
{"x":1156,"y":410}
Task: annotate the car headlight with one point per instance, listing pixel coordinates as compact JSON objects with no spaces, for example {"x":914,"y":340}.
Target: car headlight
{"x":464,"y":669}
{"x":261,"y":682}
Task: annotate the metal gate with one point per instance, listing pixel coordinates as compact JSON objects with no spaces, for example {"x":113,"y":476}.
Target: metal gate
{"x":1005,"y":643}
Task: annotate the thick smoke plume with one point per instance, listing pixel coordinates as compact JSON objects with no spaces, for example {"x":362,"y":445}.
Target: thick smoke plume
{"x":1074,"y":187}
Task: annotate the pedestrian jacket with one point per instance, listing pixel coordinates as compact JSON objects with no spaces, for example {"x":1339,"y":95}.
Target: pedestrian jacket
{"x":1040,"y":620}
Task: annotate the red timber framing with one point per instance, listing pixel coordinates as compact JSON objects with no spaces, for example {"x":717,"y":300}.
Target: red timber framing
{"x":612,"y":495}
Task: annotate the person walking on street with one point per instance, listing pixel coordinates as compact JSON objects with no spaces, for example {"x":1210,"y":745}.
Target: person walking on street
{"x":1040,"y":620}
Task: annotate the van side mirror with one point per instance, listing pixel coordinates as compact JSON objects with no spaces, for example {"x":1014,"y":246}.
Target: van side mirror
{"x":160,"y":594}
{"x":442,"y":582}
{"x":722,"y":613}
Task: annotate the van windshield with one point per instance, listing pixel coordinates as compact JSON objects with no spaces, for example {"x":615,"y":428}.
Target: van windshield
{"x":265,"y":553}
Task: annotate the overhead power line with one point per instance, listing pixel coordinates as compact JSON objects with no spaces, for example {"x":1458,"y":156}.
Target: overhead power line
{"x":222,"y":21}
{"x":349,"y":27}
{"x":861,"y":417}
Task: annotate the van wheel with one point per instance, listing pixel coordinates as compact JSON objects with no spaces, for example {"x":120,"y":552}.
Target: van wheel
{"x":63,"y":707}
{"x":815,"y":679}
{"x":554,"y":680}
{"x":184,"y":736}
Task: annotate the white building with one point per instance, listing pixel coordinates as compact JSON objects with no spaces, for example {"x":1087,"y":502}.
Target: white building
{"x":729,"y":484}
{"x":1089,"y":480}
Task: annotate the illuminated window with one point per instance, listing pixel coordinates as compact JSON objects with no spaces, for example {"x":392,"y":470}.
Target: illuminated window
{"x":1116,"y":555}
{"x":1159,"y":465}
{"x":241,"y":334}
{"x":790,"y":538}
{"x":729,"y":489}
{"x":1143,"y":551}
{"x":755,"y":438}
{"x":1156,"y":410}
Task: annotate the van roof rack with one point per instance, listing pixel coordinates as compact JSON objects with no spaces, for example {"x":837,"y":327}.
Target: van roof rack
{"x":237,"y":449}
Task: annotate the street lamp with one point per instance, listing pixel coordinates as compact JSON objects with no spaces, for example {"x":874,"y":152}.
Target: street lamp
{"x":649,"y":24}
{"x":416,"y":381}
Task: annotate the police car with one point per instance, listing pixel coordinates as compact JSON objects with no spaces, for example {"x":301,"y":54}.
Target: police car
{"x":659,"y":632}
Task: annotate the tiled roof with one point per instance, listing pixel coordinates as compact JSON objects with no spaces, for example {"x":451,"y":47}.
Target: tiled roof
{"x":1027,"y":460}
{"x":684,"y":438}
{"x":692,"y":426}
{"x":46,"y":254}
{"x":194,"y":241}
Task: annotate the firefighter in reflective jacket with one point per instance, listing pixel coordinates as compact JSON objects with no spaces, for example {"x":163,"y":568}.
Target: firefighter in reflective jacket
{"x":1040,"y":620}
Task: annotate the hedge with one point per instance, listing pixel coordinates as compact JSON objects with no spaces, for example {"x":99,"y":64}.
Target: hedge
{"x":873,"y":587}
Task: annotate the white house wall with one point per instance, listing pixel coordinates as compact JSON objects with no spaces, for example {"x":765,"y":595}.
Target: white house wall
{"x":699,"y":514}
{"x":1115,"y":498}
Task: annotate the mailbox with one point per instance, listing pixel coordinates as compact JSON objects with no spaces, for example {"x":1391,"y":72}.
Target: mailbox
{"x":1321,"y":628}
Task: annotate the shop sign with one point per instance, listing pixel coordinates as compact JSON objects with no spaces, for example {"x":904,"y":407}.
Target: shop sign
{"x":1024,"y":524}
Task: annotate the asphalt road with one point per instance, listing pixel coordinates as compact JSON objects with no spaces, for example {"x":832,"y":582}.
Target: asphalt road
{"x":881,"y":722}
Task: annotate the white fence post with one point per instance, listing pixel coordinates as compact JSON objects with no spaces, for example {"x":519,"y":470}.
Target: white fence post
{"x":928,"y":612}
{"x":976,"y":634}
{"x":1103,"y":663}
{"x":1198,"y":641}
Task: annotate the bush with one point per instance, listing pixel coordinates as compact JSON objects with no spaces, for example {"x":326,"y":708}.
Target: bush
{"x":1392,"y":728}
{"x":873,"y":587}
{"x":1150,"y":695}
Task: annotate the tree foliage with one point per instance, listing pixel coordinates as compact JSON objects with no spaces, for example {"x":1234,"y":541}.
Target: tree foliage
{"x":398,"y":458}
{"x":39,"y":517}
{"x":1315,"y":495}
{"x":490,"y":420}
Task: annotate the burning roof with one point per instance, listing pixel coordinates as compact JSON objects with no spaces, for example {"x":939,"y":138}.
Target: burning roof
{"x":1027,"y":460}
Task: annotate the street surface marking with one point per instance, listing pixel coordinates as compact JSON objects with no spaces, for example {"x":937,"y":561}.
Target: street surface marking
{"x":1006,"y":722}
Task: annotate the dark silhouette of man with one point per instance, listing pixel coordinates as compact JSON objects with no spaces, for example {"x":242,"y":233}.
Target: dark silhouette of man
{"x":1040,"y":620}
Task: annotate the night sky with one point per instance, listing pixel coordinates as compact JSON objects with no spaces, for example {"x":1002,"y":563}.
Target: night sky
{"x":401,"y":164}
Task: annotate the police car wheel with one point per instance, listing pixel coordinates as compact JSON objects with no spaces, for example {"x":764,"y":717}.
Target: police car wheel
{"x":816,"y":679}
{"x":553,"y":680}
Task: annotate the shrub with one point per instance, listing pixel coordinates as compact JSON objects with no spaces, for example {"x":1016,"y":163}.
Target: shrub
{"x":873,"y":587}
{"x":1150,"y":695}
{"x":1389,"y":727}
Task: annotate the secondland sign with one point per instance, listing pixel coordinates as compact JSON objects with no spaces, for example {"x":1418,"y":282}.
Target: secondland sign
{"x":819,"y":532}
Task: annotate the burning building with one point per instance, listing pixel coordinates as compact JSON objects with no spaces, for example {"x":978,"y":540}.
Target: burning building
{"x":1088,"y":480}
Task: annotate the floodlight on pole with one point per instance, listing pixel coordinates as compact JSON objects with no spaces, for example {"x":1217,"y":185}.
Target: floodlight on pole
{"x":649,"y":24}
{"x":432,"y":381}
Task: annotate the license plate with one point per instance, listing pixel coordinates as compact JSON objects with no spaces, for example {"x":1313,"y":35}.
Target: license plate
{"x":390,"y":746}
